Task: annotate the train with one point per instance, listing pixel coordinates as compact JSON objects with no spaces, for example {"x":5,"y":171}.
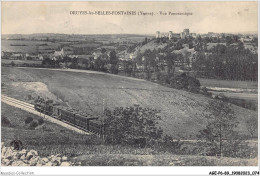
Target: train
{"x":71,"y":116}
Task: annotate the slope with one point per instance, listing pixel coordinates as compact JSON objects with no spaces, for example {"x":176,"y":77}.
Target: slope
{"x":182,"y":112}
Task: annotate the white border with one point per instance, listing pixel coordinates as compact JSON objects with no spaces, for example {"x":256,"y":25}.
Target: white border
{"x":142,"y":170}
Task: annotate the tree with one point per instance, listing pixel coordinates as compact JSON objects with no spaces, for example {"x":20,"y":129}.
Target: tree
{"x":149,"y":62}
{"x":28,"y":120}
{"x":129,"y":124}
{"x":170,"y":60}
{"x":219,"y":133}
{"x":252,"y":125}
{"x":113,"y":61}
{"x":46,"y":61}
{"x":86,"y":63}
{"x":103,"y":50}
{"x":74,"y":63}
{"x":12,"y":64}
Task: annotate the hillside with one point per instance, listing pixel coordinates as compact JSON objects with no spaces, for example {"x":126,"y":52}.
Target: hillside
{"x":182,"y":112}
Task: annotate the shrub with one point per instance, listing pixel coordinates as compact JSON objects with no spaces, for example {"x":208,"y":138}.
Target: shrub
{"x":33,"y":124}
{"x":185,"y":82}
{"x":28,"y":120}
{"x":132,"y":125}
{"x":12,"y":64}
{"x":29,"y":97}
{"x":40,"y":121}
{"x":252,"y":125}
{"x":172,"y":146}
{"x":5,"y":121}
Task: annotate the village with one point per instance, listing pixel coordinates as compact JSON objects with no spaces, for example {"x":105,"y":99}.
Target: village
{"x":65,"y":52}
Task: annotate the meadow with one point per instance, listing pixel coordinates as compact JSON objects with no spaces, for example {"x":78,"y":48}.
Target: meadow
{"x":228,"y":83}
{"x":20,"y":62}
{"x":51,"y":139}
{"x":27,"y":46}
{"x":241,"y":93}
{"x":182,"y":113}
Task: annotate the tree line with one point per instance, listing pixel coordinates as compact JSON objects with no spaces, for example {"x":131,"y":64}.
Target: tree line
{"x":231,"y":62}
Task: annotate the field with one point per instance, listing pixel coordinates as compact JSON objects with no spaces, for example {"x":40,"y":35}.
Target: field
{"x":182,"y":112}
{"x":228,"y":83}
{"x":18,"y":62}
{"x":243,"y":93}
{"x":29,"y":43}
{"x":25,"y":46}
{"x":51,"y":139}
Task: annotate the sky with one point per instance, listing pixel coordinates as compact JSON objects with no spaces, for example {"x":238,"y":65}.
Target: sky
{"x":55,"y":17}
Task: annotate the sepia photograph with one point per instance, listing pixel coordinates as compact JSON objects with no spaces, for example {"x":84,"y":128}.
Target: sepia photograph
{"x":100,"y":83}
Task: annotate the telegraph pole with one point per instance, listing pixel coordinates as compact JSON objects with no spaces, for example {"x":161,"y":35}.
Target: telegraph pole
{"x":103,"y":123}
{"x":220,"y":140}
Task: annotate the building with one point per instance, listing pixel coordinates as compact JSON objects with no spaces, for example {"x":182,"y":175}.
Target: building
{"x":59,"y":53}
{"x":157,"y":35}
{"x":16,"y":56}
{"x":182,"y":35}
{"x":186,"y":32}
{"x":193,"y":35}
{"x":170,"y":35}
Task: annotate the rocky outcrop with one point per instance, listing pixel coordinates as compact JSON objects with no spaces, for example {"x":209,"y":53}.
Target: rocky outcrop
{"x":24,"y":157}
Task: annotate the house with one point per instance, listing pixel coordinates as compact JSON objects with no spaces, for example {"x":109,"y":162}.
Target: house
{"x":42,"y":56}
{"x":59,"y":53}
{"x":5,"y":55}
{"x":96,"y":55}
{"x":16,"y":56}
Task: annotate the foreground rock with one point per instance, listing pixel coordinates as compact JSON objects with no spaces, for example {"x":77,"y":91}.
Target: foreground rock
{"x":24,"y":157}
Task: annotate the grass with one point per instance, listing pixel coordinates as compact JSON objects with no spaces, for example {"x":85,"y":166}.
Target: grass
{"x":228,"y":83}
{"x":182,"y":112}
{"x":161,"y":160}
{"x":54,"y":139}
{"x":246,"y":95}
{"x":20,"y":62}
{"x":47,"y":134}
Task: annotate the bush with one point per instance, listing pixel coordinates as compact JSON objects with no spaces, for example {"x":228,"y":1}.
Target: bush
{"x":186,"y":83}
{"x":172,"y":146}
{"x":252,"y":126}
{"x":40,"y":121}
{"x":132,"y":126}
{"x":5,"y":121}
{"x":12,"y":64}
{"x":28,"y":120}
{"x":33,"y":124}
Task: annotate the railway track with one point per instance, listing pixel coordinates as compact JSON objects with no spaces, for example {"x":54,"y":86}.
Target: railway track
{"x":18,"y":102}
{"x":30,"y":108}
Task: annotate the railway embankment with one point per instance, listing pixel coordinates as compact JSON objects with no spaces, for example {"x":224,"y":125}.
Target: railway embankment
{"x":30,"y":108}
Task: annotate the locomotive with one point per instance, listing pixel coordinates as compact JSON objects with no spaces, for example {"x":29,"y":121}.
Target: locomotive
{"x":71,"y":116}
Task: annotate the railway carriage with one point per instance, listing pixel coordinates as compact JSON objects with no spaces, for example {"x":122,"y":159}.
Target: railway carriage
{"x":71,"y":116}
{"x":95,"y":126}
